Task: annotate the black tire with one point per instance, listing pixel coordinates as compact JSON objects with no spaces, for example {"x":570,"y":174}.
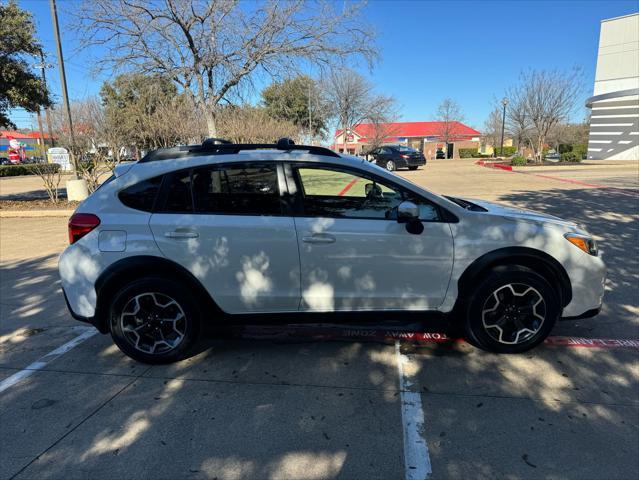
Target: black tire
{"x":505,"y":296}
{"x":390,"y":165}
{"x":151,"y":291}
{"x":413,"y":168}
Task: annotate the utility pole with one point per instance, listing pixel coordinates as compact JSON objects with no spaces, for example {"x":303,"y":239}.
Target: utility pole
{"x":42,"y":66}
{"x":63,"y":83}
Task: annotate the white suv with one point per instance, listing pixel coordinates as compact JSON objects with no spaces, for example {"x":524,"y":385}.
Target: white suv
{"x":220,"y":233}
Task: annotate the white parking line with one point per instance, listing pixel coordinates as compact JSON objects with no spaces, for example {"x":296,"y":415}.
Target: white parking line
{"x":43,"y":361}
{"x":416,"y":456}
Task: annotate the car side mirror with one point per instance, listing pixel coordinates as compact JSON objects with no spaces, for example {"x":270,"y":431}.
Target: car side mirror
{"x":372,"y":190}
{"x":407,"y":212}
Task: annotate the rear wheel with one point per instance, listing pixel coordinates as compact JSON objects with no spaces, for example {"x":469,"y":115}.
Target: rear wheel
{"x":154,"y":320}
{"x":513,"y":310}
{"x":390,"y":166}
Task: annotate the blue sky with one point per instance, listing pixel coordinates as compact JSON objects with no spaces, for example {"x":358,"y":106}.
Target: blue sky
{"x":470,"y":51}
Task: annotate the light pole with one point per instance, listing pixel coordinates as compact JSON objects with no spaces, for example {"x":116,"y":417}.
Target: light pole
{"x":504,"y":102}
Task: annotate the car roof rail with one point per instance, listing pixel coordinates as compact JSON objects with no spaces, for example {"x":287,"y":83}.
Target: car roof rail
{"x":220,"y":146}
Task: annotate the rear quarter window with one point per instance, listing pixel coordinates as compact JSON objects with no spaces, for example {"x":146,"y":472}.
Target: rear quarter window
{"x":141,"y":196}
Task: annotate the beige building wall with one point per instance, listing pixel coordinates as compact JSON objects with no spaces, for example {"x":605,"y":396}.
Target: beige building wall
{"x":614,"y":121}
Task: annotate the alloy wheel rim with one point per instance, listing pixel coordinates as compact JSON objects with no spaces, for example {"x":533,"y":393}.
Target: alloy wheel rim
{"x":514,"y":313}
{"x":153,"y":323}
{"x":390,"y":166}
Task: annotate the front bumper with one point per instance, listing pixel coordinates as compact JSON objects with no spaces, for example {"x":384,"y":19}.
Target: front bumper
{"x":588,"y":281}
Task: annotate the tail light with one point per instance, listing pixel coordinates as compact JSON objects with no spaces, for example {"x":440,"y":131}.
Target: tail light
{"x":80,"y":224}
{"x":405,"y":156}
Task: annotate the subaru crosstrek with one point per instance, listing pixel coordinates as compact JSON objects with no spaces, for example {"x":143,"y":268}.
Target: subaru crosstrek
{"x":219,"y":233}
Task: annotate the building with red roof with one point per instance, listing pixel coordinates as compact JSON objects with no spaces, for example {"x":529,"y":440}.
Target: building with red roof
{"x":425,"y":136}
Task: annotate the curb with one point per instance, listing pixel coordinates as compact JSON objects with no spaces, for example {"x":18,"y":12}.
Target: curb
{"x":35,"y":213}
{"x":502,"y":166}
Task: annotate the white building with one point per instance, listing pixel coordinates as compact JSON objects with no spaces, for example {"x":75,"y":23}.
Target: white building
{"x":614,"y":124}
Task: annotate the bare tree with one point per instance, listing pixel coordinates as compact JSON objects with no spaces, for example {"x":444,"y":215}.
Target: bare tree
{"x":175,"y":121}
{"x":450,"y":116}
{"x":354,"y":101}
{"x":546,"y":98}
{"x":253,"y":125}
{"x":213,"y":48}
{"x":492,"y":129}
{"x":50,"y":175}
{"x":96,"y":146}
{"x":381,"y":117}
{"x":517,"y":121}
{"x":568,"y":134}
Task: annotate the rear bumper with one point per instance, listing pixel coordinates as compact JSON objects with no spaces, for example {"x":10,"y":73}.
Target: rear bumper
{"x":90,"y":320}
{"x":411,"y":162}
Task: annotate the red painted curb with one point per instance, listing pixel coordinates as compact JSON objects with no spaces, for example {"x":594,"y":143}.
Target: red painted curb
{"x":502,"y":166}
{"x":390,"y":335}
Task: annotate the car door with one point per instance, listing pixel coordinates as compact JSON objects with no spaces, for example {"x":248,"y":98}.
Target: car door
{"x":354,"y":255}
{"x":229,"y":227}
{"x":384,"y":154}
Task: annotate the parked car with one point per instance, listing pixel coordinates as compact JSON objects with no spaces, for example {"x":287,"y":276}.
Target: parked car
{"x":5,"y":161}
{"x":440,"y":154}
{"x":552,"y":157}
{"x":392,"y":157}
{"x":219,"y":234}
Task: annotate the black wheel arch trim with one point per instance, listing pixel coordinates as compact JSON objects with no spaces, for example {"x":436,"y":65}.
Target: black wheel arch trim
{"x":536,"y":260}
{"x":140,"y":266}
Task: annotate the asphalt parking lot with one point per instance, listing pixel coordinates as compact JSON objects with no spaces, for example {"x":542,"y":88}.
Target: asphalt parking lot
{"x":294,"y":405}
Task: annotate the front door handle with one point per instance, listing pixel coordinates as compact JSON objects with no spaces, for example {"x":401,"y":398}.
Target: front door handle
{"x":179,"y":233}
{"x":319,"y":238}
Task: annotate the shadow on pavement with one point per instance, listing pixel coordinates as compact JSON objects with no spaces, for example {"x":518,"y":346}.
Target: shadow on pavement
{"x":612,"y":215}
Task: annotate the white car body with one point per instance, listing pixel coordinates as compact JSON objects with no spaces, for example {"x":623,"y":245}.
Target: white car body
{"x":273,"y":264}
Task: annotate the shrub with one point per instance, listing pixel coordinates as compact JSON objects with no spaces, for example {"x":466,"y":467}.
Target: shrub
{"x":27,"y":169}
{"x":506,"y":152}
{"x":468,"y":152}
{"x":580,"y":149}
{"x":570,"y":157}
{"x":471,"y":153}
{"x":518,"y":162}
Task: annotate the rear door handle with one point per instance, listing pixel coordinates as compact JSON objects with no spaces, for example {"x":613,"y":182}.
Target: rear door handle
{"x":319,"y":238}
{"x":182,"y":234}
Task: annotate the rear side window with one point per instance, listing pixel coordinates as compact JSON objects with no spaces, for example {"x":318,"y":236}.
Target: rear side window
{"x":141,"y":196}
{"x":178,"y":193}
{"x":239,"y":190}
{"x":233,"y":190}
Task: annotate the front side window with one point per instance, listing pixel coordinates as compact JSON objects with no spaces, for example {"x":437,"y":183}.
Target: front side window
{"x":338,"y":193}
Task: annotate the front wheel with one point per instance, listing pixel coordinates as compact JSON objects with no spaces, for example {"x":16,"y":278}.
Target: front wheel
{"x":390,"y":166}
{"x":513,"y":310}
{"x":155,"y":320}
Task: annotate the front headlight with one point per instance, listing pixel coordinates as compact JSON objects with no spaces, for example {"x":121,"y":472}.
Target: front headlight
{"x":583,"y":242}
